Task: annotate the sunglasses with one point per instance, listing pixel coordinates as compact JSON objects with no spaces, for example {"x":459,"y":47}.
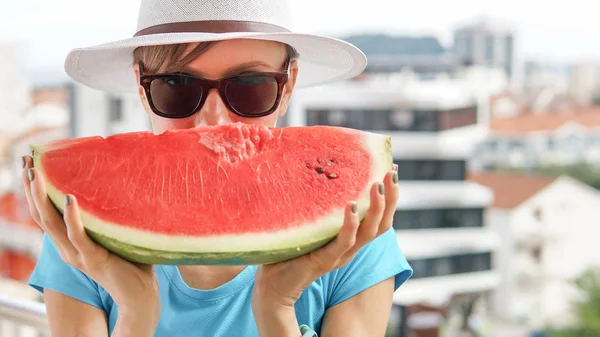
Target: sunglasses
{"x":180,"y":95}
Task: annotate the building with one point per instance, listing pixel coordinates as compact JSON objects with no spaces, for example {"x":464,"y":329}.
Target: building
{"x":97,"y":113}
{"x":488,"y":43}
{"x":21,"y":237}
{"x":539,"y":74}
{"x":548,"y":229}
{"x":14,"y":84}
{"x":534,"y":140}
{"x":422,"y":55}
{"x":533,"y":101}
{"x":584,"y":80}
{"x":45,"y":120}
{"x":440,"y":215}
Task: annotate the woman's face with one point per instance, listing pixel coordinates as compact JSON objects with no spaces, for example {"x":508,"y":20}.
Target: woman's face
{"x":223,"y":59}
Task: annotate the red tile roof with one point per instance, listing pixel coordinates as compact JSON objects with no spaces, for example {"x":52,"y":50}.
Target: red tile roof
{"x":510,"y":189}
{"x":10,"y":210}
{"x":16,"y":266}
{"x":545,"y":122}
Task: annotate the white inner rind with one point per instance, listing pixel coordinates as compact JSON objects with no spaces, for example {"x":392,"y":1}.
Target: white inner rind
{"x":327,"y":226}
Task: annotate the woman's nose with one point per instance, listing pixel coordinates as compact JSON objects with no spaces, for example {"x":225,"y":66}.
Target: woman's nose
{"x":214,"y":111}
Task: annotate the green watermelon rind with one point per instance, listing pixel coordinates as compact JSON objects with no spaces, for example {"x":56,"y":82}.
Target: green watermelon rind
{"x":150,"y":248}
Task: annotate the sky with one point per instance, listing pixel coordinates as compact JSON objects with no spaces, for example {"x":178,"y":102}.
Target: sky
{"x":549,"y":31}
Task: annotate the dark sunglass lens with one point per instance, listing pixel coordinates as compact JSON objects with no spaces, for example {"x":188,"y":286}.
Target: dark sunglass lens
{"x":176,"y":95}
{"x":252,"y":95}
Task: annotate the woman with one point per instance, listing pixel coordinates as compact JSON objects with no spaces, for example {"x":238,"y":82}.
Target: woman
{"x":342,"y":289}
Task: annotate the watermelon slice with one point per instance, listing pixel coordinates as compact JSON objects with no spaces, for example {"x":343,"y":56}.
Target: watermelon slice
{"x":236,"y":194}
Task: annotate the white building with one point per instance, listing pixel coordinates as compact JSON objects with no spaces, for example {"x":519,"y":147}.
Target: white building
{"x":549,"y":230}
{"x":440,"y":215}
{"x":14,"y":83}
{"x":97,"y":113}
{"x":88,"y":112}
{"x":531,"y":141}
{"x":489,"y":43}
{"x":584,"y":80}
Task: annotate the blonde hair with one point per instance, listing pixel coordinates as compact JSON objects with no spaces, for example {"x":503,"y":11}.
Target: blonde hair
{"x":171,"y":58}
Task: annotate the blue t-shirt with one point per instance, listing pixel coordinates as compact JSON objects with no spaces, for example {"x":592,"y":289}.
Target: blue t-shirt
{"x":226,"y":310}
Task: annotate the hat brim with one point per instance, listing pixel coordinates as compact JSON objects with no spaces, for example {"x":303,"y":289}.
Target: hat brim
{"x":108,"y":67}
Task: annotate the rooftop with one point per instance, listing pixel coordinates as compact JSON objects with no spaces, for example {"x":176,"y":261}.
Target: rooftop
{"x":388,"y":45}
{"x":588,"y":117}
{"x":511,"y":189}
{"x":15,"y":210}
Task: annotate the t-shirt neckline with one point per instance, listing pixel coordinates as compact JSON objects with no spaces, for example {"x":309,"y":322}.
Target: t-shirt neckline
{"x":243,"y":279}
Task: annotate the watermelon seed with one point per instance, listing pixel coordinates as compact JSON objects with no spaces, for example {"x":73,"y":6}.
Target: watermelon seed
{"x":331,"y":175}
{"x":320,"y":170}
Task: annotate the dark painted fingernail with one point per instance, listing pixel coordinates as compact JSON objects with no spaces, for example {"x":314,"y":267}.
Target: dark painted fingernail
{"x":24,"y":161}
{"x":67,"y":200}
{"x":395,"y":177}
{"x":30,"y":174}
{"x":381,"y":190}
{"x":354,"y":207}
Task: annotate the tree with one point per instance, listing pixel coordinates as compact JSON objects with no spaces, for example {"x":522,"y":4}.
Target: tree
{"x":586,"y":307}
{"x":584,"y":172}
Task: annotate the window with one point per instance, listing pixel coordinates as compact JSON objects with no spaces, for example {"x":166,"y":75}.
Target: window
{"x":452,"y":170}
{"x":425,"y":120}
{"x":407,"y":169}
{"x":402,"y":120}
{"x":403,"y":219}
{"x":489,"y":50}
{"x":515,"y":144}
{"x":452,"y":264}
{"x":451,"y":119}
{"x":318,"y":117}
{"x":431,"y":169}
{"x":337,"y":117}
{"x":508,"y":57}
{"x":115,"y":109}
{"x":419,"y":268}
{"x":471,"y":218}
{"x":438,"y":218}
{"x":430,"y":218}
{"x":550,"y":143}
{"x":481,"y":262}
{"x":393,"y":119}
{"x":428,"y":169}
{"x":441,"y":267}
{"x":379,"y":119}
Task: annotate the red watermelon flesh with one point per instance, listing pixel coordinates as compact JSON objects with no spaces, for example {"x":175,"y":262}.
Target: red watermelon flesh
{"x":232,"y":194}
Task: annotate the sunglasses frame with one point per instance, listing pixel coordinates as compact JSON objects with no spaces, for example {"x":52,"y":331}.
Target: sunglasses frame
{"x":281,"y":78}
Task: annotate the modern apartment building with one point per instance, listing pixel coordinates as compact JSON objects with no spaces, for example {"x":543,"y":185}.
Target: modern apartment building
{"x":440,"y":216}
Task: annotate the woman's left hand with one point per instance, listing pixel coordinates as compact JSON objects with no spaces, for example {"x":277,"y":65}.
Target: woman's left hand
{"x":278,"y":286}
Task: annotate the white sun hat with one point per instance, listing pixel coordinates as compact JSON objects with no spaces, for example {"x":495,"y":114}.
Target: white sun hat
{"x":108,"y":67}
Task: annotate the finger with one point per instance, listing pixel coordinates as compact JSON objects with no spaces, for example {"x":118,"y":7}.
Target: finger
{"x":75,"y":230}
{"x":391,"y":202}
{"x":370,"y":225}
{"x":28,"y":163}
{"x":322,"y":260}
{"x":395,"y":167}
{"x":50,"y":221}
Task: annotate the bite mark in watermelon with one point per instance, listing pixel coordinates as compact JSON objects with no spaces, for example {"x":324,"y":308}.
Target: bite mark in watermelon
{"x":236,"y":194}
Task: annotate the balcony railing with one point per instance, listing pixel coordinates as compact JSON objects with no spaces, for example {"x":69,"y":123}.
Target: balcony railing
{"x":22,"y":318}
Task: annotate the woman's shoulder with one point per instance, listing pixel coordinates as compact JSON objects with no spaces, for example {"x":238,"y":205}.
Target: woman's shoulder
{"x":51,"y":272}
{"x":377,"y":261}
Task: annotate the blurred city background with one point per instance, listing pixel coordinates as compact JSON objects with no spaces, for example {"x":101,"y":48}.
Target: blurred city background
{"x":494,"y":110}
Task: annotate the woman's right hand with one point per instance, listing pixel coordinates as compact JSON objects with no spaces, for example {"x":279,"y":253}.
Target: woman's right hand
{"x":133,"y":287}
